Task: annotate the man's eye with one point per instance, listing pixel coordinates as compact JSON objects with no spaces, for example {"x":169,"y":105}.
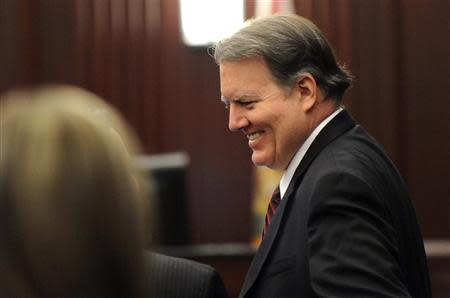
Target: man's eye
{"x":246,"y":103}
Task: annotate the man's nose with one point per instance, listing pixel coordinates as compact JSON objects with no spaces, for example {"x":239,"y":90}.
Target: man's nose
{"x":237,"y":119}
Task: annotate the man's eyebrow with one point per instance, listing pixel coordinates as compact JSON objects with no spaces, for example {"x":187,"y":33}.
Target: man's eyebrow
{"x":226,"y":100}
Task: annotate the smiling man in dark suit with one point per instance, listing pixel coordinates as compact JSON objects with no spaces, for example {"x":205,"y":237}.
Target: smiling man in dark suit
{"x":345,"y":225}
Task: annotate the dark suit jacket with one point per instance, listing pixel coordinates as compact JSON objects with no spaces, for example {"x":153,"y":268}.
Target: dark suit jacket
{"x":171,"y":277}
{"x":345,"y":227}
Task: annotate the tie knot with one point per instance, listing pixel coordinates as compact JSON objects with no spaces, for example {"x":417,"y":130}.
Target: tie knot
{"x":276,"y":198}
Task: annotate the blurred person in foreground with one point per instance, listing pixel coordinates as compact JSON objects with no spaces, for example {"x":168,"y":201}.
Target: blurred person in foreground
{"x":341,"y":223}
{"x":74,"y":209}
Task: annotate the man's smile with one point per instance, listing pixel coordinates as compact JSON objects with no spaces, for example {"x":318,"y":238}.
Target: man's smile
{"x":254,"y":135}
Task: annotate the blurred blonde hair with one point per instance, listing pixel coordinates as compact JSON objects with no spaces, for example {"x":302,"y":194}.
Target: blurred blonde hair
{"x":72,"y":205}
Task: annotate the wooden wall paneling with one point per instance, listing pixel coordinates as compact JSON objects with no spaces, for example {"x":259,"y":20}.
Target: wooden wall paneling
{"x":353,"y":60}
{"x":56,"y":30}
{"x":387,"y":50}
{"x":249,"y":9}
{"x":29,"y":46}
{"x":119,"y":55}
{"x":150,"y":67}
{"x":376,"y":71}
{"x":344,"y":45}
{"x":112,"y":42}
{"x":323,"y":17}
{"x":10,"y":36}
{"x":185,"y":122}
{"x":425,"y":104}
{"x":383,"y":110}
{"x":42,"y":41}
{"x":135,"y":42}
{"x":304,"y":8}
{"x":86,"y":46}
{"x":171,"y":63}
{"x":335,"y":21}
{"x":225,"y":162}
{"x":176,"y":128}
{"x":140,"y":106}
{"x":137,"y":32}
{"x":81,"y":42}
{"x":100,"y":47}
{"x":364,"y":36}
{"x":190,"y":86}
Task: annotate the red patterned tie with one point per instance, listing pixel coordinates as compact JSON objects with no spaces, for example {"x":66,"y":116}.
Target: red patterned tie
{"x":273,"y":205}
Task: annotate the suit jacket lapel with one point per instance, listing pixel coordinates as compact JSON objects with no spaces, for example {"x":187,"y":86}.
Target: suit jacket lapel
{"x":336,"y":127}
{"x":263,"y":249}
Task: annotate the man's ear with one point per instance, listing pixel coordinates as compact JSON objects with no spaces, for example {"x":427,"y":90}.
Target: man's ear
{"x":307,"y":88}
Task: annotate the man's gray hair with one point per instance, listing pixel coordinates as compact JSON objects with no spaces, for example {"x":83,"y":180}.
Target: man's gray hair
{"x":290,"y":45}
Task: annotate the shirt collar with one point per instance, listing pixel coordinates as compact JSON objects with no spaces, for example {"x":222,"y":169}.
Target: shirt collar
{"x":289,"y":173}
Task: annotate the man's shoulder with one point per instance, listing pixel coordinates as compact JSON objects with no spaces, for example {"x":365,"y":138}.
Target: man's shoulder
{"x":356,"y":145}
{"x":178,"y":277}
{"x":176,"y":265}
{"x":354,"y":153}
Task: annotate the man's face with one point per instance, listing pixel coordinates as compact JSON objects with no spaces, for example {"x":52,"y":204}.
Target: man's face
{"x":270,"y":116}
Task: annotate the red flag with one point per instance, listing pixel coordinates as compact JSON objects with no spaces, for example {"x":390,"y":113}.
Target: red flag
{"x":269,"y":7}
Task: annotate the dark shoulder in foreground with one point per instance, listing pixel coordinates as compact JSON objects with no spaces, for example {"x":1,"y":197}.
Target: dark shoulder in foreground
{"x":171,"y":277}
